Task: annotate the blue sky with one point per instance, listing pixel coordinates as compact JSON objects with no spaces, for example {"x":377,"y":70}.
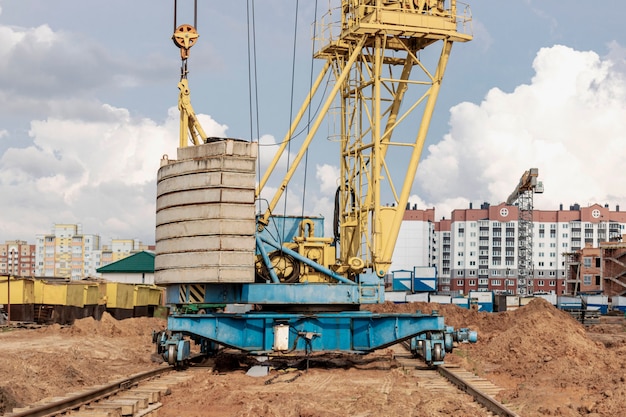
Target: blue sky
{"x":88,"y":105}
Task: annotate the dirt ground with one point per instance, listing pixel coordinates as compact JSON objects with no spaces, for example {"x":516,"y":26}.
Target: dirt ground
{"x":547,"y":363}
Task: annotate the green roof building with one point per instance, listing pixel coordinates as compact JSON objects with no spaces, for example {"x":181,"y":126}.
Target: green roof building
{"x":134,"y":269}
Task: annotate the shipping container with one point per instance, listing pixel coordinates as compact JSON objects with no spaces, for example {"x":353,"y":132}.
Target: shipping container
{"x":618,"y":302}
{"x":503,"y":302}
{"x":395,"y":296}
{"x":461,"y":302}
{"x":441,"y":299}
{"x":402,"y":280}
{"x":417,"y":297}
{"x":567,"y":302}
{"x":597,"y":302}
{"x":481,"y":300}
{"x":424,"y":279}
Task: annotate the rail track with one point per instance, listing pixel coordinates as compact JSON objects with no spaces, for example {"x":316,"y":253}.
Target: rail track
{"x":450,"y":379}
{"x":141,"y":394}
{"x":137,"y":395}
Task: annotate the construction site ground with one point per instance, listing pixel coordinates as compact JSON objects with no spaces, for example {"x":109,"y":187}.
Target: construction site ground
{"x":547,"y":363}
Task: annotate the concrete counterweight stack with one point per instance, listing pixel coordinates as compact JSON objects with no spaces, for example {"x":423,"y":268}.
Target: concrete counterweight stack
{"x":205,"y":220}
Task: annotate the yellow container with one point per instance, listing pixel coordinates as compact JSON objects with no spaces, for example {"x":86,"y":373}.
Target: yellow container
{"x":75,"y":294}
{"x":39,"y":286}
{"x":141,"y":295}
{"x":120,"y":295}
{"x":62,"y":294}
{"x":156,"y":296}
{"x":91,"y":294}
{"x":22,"y":291}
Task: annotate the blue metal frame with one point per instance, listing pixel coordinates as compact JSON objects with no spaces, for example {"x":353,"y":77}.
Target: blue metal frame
{"x":349,"y":331}
{"x":370,"y":290}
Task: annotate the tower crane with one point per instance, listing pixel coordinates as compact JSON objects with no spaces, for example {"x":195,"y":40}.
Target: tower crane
{"x":307,"y":287}
{"x":522,"y":196}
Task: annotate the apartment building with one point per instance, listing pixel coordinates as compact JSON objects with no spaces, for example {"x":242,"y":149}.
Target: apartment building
{"x":479,"y":249}
{"x":122,"y":248}
{"x":17,"y":258}
{"x":416,"y":240}
{"x":67,"y":252}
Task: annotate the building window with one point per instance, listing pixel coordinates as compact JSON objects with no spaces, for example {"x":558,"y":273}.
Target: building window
{"x":472,"y":282}
{"x":587,"y":279}
{"x":540,"y":283}
{"x":459,"y":273}
{"x":496,"y":282}
{"x":587,"y":262}
{"x":552,"y":283}
{"x":483,"y":281}
{"x":459,"y":283}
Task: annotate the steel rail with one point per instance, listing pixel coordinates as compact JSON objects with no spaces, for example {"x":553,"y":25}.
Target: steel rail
{"x":78,"y":400}
{"x":480,"y":397}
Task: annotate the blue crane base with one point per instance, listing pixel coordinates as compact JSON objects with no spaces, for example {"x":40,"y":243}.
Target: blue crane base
{"x":267,"y":333}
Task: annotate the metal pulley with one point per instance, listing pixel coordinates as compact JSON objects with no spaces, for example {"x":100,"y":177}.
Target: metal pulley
{"x":185,"y":36}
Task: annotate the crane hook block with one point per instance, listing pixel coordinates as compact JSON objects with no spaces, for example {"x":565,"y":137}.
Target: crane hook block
{"x":185,"y":36}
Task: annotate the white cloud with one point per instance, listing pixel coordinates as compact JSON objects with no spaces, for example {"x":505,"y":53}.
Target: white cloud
{"x":328,"y":177}
{"x":570,"y":122}
{"x":100,"y":174}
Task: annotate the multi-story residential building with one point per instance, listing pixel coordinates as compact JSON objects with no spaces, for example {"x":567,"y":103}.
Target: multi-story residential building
{"x":122,"y":248}
{"x":478,"y":249}
{"x":416,"y":240}
{"x":67,"y":252}
{"x":584,"y":274}
{"x":17,"y":257}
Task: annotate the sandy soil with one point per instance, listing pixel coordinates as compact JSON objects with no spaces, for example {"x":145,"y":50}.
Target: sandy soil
{"x":549,"y":365}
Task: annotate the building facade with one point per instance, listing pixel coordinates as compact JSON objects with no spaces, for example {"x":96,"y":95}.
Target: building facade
{"x":478,"y":249}
{"x":17,"y":258}
{"x":122,"y":248}
{"x":67,"y":252}
{"x":416,"y":240}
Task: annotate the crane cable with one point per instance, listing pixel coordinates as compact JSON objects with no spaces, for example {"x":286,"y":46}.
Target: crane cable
{"x":252,"y":78}
{"x":308,"y":124}
{"x":293,"y":76}
{"x":254,"y":96}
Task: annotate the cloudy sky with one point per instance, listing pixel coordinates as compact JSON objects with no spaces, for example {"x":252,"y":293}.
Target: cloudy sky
{"x":88,"y":106}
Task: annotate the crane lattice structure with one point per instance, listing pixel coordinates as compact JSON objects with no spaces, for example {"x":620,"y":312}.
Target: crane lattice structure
{"x":522,"y":196}
{"x":372,"y":53}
